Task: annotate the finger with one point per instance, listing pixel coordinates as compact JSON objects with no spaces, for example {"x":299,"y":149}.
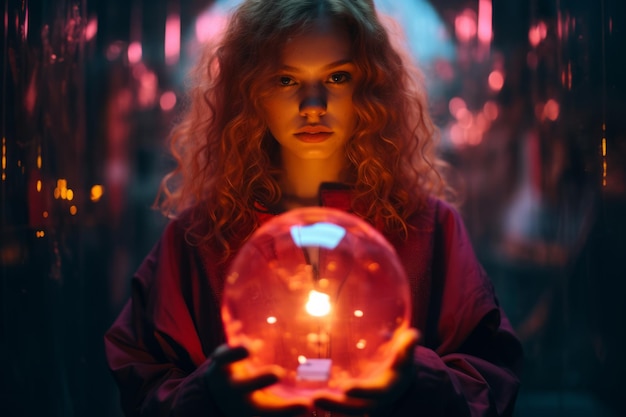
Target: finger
{"x":405,"y":346}
{"x":268,"y":404}
{"x":255,"y":382}
{"x":373,"y":389}
{"x":367,"y":392}
{"x":289,"y":411}
{"x":225,"y":354}
{"x":400,"y":370}
{"x":344,"y":405}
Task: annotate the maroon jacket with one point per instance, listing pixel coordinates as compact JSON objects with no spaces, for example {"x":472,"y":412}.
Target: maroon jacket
{"x":468,"y":361}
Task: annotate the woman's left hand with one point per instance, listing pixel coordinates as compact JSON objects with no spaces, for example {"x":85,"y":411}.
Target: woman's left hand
{"x":378,"y":394}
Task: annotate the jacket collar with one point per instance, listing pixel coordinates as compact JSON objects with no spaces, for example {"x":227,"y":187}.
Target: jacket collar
{"x":331,"y":194}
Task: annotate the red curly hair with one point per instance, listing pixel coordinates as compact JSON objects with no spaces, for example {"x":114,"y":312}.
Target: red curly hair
{"x":227,"y":161}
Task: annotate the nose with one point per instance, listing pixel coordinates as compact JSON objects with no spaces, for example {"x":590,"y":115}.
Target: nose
{"x":313,"y":101}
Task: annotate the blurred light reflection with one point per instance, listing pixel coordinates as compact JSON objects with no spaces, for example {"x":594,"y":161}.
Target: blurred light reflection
{"x":172,"y":39}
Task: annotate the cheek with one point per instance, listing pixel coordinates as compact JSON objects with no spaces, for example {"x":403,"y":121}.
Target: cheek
{"x":349,"y":111}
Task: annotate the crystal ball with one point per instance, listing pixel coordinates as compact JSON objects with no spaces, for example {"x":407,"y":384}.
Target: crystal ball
{"x":319,"y":293}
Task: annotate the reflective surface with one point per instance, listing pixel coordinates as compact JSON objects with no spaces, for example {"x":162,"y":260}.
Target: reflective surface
{"x":529,"y":96}
{"x":299,"y":295}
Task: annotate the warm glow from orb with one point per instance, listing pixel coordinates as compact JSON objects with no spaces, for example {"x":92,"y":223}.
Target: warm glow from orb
{"x":373,"y":267}
{"x":318,"y":304}
{"x":300,"y":294}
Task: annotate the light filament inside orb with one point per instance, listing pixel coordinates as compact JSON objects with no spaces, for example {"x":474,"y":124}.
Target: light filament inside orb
{"x":318,"y":304}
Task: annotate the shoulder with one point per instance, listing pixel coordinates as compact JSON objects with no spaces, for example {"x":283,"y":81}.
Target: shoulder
{"x":173,"y":249}
{"x":168,"y":248}
{"x":434,"y":214}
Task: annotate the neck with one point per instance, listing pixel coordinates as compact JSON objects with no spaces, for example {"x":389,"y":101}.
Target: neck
{"x":302,"y":179}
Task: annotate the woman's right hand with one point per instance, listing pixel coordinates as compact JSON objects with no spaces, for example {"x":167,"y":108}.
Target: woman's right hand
{"x":242,"y":396}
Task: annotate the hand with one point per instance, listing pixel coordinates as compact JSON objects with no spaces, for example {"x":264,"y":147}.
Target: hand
{"x":380,"y":392}
{"x":242,"y":395}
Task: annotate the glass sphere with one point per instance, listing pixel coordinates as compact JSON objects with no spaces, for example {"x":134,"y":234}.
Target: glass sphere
{"x":320,"y":293}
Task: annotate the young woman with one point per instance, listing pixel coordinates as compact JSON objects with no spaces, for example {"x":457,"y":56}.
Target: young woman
{"x":307,"y":103}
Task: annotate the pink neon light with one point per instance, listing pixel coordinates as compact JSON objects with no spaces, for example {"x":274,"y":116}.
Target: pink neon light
{"x":172,"y":39}
{"x":465,"y":25}
{"x":485,"y":10}
{"x":456,"y":105}
{"x":167,"y":101}
{"x":491,"y":110}
{"x":496,"y":80}
{"x":543,"y":30}
{"x":210,"y":26}
{"x":551,"y":110}
{"x":26,"y":24}
{"x":92,"y":29}
{"x":134,"y":52}
{"x":537,"y":33}
{"x":457,"y":135}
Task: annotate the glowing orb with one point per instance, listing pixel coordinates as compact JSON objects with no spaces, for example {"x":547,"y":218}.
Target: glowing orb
{"x":321,"y":294}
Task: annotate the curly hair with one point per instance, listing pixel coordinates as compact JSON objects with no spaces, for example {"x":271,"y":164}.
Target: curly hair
{"x":228,"y":162}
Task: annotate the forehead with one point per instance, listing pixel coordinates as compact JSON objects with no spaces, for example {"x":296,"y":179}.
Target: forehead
{"x":326,"y":40}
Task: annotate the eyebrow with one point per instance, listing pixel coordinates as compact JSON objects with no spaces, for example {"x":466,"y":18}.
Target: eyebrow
{"x":339,"y":63}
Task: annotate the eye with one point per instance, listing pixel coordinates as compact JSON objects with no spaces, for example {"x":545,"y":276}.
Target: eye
{"x":285,"y":81}
{"x":339,"y":78}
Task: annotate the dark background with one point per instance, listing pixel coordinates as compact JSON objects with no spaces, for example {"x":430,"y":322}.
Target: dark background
{"x":544,"y":187}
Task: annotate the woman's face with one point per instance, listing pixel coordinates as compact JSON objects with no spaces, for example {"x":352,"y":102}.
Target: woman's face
{"x":308,"y":102}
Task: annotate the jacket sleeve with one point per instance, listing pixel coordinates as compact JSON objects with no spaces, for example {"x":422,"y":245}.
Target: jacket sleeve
{"x":470,"y":360}
{"x":153,"y":348}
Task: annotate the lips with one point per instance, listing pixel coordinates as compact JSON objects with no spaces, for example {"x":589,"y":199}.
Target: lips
{"x":313,"y":137}
{"x":313,"y":134}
